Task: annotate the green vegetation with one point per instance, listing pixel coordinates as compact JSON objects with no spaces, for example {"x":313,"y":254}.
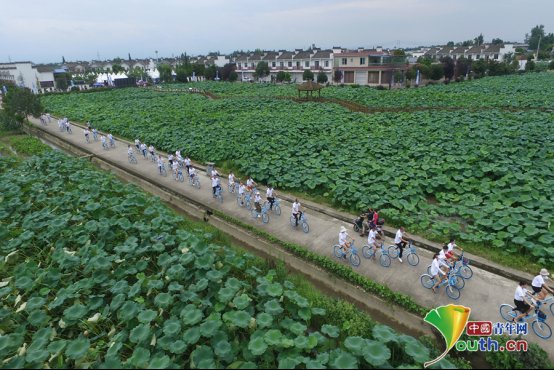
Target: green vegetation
{"x":479,"y":175}
{"x":97,"y":274}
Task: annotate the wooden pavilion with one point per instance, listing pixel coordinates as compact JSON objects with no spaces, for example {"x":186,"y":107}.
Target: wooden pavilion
{"x":309,"y":87}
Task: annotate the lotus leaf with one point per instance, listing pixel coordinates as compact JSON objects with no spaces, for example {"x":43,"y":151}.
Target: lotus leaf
{"x":192,"y":335}
{"x":242,"y":301}
{"x":273,"y":337}
{"x":191,"y":315}
{"x":76,"y":349}
{"x":273,"y":307}
{"x":264,"y":320}
{"x":172,"y":327}
{"x":178,"y":347}
{"x":274,"y":290}
{"x":140,"y":333}
{"x":330,"y":330}
{"x":57,"y":346}
{"x":210,"y":327}
{"x":34,"y":303}
{"x":159,"y":361}
{"x":237,"y":318}
{"x":202,"y":358}
{"x":376,"y":353}
{"x":384,"y":334}
{"x":75,"y":312}
{"x":344,"y":360}
{"x":38,"y":318}
{"x":415,"y":349}
{"x":140,"y":357}
{"x":257,"y":346}
{"x":128,"y":311}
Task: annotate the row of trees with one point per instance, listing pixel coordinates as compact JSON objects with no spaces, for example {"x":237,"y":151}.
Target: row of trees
{"x":17,"y":104}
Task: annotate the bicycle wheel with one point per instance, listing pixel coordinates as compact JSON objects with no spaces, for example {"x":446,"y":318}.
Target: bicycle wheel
{"x":231,"y":188}
{"x":180,"y":177}
{"x":248,"y":205}
{"x":197,"y":184}
{"x":552,"y":309}
{"x":337,"y":252}
{"x":459,"y":282}
{"x":413,"y":259}
{"x":265,"y":218}
{"x":164,"y":172}
{"x":278,"y":210}
{"x":429,"y":269}
{"x":542,"y":329}
{"x":356,"y":228}
{"x":393,"y":251}
{"x":254,"y":213}
{"x":133,"y":160}
{"x":220,"y":198}
{"x":355,"y":260}
{"x":507,"y":312}
{"x":466,"y":272}
{"x":426,"y":280}
{"x":240,"y":203}
{"x":292,"y":221}
{"x":305,"y":227}
{"x":453,"y":292}
{"x":384,"y":260}
{"x":368,"y":252}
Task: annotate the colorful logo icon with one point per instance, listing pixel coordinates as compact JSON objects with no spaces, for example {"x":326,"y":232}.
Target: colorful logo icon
{"x":451,"y":321}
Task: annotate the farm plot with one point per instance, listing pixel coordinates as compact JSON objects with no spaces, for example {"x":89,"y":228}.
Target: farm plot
{"x":484,"y":176}
{"x":96,"y":274}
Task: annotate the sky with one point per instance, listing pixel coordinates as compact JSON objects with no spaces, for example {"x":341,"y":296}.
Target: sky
{"x":43,"y":31}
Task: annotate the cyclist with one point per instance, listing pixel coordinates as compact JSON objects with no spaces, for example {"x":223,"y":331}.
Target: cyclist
{"x":372,"y":239}
{"x":521,"y":302}
{"x":129,"y":151}
{"x":450,"y":255}
{"x":250,"y":184}
{"x":187,"y":163}
{"x":170,"y":159}
{"x":137,"y":144}
{"x":343,"y":241}
{"x":112,"y":141}
{"x":103,"y":141}
{"x":151,"y":150}
{"x":214,"y":185}
{"x":192,"y":173}
{"x":296,"y":211}
{"x":242,"y":189}
{"x":160,"y":163}
{"x":87,"y":133}
{"x":178,"y":157}
{"x":95,"y":134}
{"x":143,"y":149}
{"x":48,"y":117}
{"x":399,"y":241}
{"x":257,"y":203}
{"x":437,"y":271}
{"x":539,"y":286}
{"x":214,"y":172}
{"x":175,"y":168}
{"x":270,"y":196}
{"x":231,"y":180}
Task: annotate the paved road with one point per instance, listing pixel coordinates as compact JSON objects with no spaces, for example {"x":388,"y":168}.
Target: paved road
{"x":484,"y":292}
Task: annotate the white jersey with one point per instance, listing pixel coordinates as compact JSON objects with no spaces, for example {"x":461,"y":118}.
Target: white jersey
{"x":175,"y":165}
{"x":192,"y":171}
{"x":178,"y":153}
{"x":110,"y":137}
{"x":151,"y":149}
{"x":435,"y":267}
{"x":214,"y":181}
{"x":187,"y":161}
{"x":215,"y":173}
{"x":295,"y":207}
{"x":442,"y":256}
{"x":538,"y":281}
{"x":257,"y":198}
{"x":129,"y":151}
{"x":242,"y":188}
{"x":372,"y":237}
{"x":170,"y":157}
{"x":103,"y":139}
{"x":231,"y":178}
{"x":398,"y":237}
{"x":520,"y":294}
{"x":451,"y":246}
{"x":269,"y":192}
{"x":87,"y":132}
{"x":143,"y":146}
{"x":249,"y":182}
{"x":160,"y":162}
{"x":342,"y":238}
{"x":137,"y":142}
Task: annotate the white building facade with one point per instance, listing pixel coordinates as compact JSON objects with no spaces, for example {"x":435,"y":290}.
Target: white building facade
{"x":25,"y":74}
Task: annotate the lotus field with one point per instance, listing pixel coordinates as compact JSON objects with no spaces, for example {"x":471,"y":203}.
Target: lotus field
{"x":97,"y":274}
{"x":485,"y":175}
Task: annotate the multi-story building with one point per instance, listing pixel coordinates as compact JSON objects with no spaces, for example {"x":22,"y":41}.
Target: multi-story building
{"x":25,"y":74}
{"x":368,"y":67}
{"x":496,"y":52}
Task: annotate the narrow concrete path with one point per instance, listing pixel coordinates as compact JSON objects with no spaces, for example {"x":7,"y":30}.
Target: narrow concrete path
{"x":483,"y":293}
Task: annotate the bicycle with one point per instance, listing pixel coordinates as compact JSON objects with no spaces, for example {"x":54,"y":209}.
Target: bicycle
{"x":411,"y":254}
{"x":69,"y":131}
{"x":233,"y":187}
{"x":303,"y":220}
{"x":354,"y":257}
{"x":132,"y":158}
{"x":451,"y":282}
{"x":539,"y":325}
{"x":462,"y":265}
{"x":87,"y":139}
{"x":179,"y":175}
{"x":276,"y":206}
{"x":194,"y":181}
{"x":153,"y":157}
{"x":112,"y":143}
{"x":95,"y":136}
{"x":105,"y":145}
{"x":218,"y":194}
{"x":263,"y":214}
{"x":384,"y":259}
{"x":162,"y":171}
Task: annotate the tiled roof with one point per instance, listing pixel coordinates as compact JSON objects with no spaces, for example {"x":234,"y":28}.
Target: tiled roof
{"x":459,"y":50}
{"x":286,"y":55}
{"x":271,"y":55}
{"x":322,"y":54}
{"x":476,"y":49}
{"x":302,"y":55}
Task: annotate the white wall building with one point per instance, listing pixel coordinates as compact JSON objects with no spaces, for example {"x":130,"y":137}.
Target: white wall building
{"x":25,"y":74}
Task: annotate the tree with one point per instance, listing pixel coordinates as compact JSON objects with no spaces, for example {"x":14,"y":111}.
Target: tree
{"x":467,"y":43}
{"x":198,"y":69}
{"x":551,"y":65}
{"x":262,"y":70}
{"x":280,"y":77}
{"x":62,"y":80}
{"x":398,"y":53}
{"x":226,"y":71}
{"x":233,"y":76}
{"x":530,"y":66}
{"x":479,"y":39}
{"x":117,"y":68}
{"x":308,"y":75}
{"x":463,"y":66}
{"x":425,"y":60}
{"x":450,"y":43}
{"x":181,"y":74}
{"x":137,"y":73}
{"x":210,"y":72}
{"x":532,"y":39}
{"x":436,"y":72}
{"x":411,"y":74}
{"x":448,"y":67}
{"x":337,"y":77}
{"x":479,"y":67}
{"x":165,"y":72}
{"x":497,"y":41}
{"x":19,"y":102}
{"x":322,"y":77}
